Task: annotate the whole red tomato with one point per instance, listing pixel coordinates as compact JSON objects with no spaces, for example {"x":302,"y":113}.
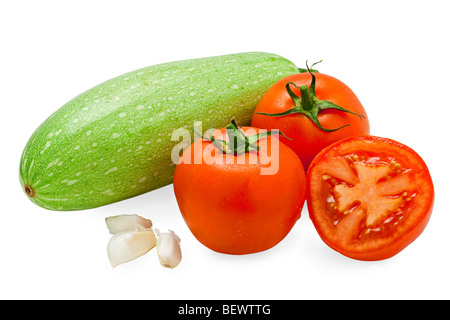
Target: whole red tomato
{"x":243,"y":200}
{"x":312,"y":117}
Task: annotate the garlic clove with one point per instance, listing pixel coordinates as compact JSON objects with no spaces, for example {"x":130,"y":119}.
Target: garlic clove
{"x":127,"y":222}
{"x":129,"y":245}
{"x":168,"y":249}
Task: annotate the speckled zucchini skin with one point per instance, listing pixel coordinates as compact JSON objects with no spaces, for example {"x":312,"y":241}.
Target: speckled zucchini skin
{"x":113,"y":142}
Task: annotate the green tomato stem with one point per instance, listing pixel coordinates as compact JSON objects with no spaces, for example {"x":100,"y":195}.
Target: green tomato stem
{"x":308,"y":99}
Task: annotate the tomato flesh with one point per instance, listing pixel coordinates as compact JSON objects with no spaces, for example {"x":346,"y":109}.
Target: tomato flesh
{"x":369,"y":197}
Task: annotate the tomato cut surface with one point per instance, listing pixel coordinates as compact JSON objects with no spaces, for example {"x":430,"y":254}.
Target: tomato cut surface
{"x":369,"y":197}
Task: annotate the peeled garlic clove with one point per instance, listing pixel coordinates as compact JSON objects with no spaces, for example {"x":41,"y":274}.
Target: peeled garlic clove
{"x":168,"y":248}
{"x":128,"y":245}
{"x":127,"y":222}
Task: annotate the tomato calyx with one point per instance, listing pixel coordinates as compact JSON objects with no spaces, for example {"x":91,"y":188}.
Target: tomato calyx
{"x":308,"y":104}
{"x":238,"y":143}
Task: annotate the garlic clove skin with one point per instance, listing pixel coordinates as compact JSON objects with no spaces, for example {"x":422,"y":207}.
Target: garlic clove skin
{"x":168,"y":249}
{"x":128,"y":245}
{"x":127,"y":222}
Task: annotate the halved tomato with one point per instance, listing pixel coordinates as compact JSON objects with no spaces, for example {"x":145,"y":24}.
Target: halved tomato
{"x":369,"y":197}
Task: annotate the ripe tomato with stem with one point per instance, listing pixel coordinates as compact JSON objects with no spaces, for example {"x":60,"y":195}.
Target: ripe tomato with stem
{"x":314,"y":110}
{"x":246,"y":192}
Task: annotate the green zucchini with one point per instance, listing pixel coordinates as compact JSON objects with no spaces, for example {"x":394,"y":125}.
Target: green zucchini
{"x":113,"y":142}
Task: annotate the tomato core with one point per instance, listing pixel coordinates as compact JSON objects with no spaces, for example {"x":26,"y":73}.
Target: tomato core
{"x":370,"y":192}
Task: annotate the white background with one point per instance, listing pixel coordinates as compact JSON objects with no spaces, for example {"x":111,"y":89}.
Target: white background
{"x":393,"y":54}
